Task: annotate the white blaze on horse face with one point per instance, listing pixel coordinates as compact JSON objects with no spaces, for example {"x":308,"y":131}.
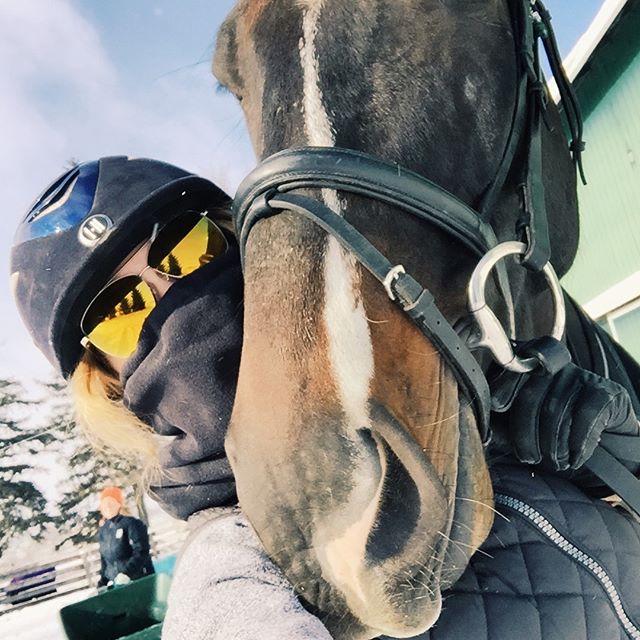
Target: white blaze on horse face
{"x":318,"y":126}
{"x":350,"y":347}
{"x":348,"y":332}
{"x":342,"y":556}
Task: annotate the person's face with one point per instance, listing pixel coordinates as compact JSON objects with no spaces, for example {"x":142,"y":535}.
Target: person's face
{"x":136,"y":265}
{"x":109,"y":507}
{"x":113,"y":320}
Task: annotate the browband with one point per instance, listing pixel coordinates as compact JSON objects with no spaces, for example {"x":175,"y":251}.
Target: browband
{"x":366,"y":175}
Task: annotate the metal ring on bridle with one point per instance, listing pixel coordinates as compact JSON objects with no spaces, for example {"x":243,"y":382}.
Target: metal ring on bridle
{"x":491,"y":334}
{"x":391,"y":277}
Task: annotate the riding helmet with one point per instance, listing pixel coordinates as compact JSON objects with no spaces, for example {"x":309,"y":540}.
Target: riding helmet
{"x":81,"y":229}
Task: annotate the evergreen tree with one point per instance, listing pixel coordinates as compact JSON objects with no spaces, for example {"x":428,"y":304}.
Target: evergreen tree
{"x":88,"y":471}
{"x":23,"y":507}
{"x":137,"y":303}
{"x":174,"y":266}
{"x":124,"y":307}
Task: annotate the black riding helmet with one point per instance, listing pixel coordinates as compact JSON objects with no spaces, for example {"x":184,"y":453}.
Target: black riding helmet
{"x":82,"y":227}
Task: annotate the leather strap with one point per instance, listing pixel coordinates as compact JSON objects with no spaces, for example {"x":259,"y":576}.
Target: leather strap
{"x":527,"y":127}
{"x":363,"y":174}
{"x":535,"y":226}
{"x":520,"y":19}
{"x":420,"y":306}
{"x":369,"y":176}
{"x":568,"y":99}
{"x":606,"y":465}
{"x":622,"y":447}
{"x":416,"y":301}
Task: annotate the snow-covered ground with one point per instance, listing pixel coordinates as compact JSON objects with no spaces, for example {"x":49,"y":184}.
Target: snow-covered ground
{"x":39,"y":621}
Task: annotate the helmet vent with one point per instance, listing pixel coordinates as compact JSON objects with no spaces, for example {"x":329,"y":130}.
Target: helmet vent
{"x":55,"y":195}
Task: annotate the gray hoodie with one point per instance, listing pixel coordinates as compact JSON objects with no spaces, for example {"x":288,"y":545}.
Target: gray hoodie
{"x":226,"y":588}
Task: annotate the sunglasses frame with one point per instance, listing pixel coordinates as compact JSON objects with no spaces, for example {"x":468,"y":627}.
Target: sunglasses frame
{"x":155,"y":233}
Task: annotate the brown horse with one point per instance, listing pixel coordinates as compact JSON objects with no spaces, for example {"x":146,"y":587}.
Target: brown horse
{"x":356,"y":455}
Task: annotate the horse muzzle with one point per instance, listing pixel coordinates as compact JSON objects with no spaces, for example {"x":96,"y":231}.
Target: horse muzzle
{"x":359,"y":521}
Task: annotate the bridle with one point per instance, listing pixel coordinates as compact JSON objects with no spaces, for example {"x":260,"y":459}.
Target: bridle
{"x":272,"y":187}
{"x":275,"y":185}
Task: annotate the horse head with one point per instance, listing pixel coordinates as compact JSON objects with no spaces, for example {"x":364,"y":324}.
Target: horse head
{"x":356,"y":454}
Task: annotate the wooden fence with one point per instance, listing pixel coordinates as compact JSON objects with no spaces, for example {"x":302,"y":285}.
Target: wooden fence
{"x":36,"y":583}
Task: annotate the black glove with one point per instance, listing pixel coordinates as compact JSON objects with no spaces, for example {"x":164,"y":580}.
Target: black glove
{"x":557,"y":421}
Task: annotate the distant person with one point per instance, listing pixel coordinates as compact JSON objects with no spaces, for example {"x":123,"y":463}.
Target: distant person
{"x":124,"y":542}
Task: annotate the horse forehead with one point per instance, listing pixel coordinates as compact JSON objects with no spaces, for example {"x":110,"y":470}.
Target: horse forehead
{"x":253,"y":9}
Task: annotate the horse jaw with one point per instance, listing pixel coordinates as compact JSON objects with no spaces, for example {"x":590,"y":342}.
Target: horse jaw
{"x":381,"y":548}
{"x":360,"y":522}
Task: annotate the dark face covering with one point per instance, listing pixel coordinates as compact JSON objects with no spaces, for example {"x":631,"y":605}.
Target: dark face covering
{"x":182,"y":381}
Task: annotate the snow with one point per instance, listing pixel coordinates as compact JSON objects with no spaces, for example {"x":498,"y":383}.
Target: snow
{"x":39,"y":621}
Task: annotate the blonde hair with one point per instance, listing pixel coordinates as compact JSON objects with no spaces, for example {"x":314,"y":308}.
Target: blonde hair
{"x":97,"y":398}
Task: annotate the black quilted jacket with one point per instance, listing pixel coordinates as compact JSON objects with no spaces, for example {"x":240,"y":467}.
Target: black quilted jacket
{"x":558,"y":565}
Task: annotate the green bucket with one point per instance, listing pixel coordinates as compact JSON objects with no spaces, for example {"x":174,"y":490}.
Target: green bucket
{"x":134,"y":612}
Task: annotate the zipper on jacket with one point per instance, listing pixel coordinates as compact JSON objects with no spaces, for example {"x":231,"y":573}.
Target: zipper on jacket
{"x":545,"y":527}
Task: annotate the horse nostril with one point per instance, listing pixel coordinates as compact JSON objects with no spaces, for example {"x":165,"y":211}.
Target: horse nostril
{"x":368,"y":441}
{"x":398,"y":511}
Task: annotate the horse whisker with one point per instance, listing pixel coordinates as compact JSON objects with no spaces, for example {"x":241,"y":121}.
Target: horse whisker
{"x":484,"y":504}
{"x":435,"y":423}
{"x":463,"y":544}
{"x":372,"y":321}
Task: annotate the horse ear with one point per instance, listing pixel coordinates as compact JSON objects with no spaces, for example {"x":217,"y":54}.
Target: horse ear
{"x":225,"y":59}
{"x":561,"y":199}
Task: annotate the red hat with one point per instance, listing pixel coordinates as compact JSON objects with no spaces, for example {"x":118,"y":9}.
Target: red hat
{"x":112,"y":492}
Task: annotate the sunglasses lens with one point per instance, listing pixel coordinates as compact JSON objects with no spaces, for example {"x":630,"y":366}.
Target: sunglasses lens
{"x":114,"y":319}
{"x":186,"y":244}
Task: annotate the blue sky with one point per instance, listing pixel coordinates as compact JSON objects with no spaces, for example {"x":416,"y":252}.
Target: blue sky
{"x":80,"y":79}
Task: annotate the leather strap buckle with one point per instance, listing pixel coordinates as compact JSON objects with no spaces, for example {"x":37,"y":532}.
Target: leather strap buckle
{"x":389,"y":280}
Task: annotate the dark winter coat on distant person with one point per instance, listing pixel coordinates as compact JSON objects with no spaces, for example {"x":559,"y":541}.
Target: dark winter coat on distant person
{"x":124,"y":548}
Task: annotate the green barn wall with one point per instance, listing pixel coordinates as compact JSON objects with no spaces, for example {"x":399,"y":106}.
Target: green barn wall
{"x":609,"y":91}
